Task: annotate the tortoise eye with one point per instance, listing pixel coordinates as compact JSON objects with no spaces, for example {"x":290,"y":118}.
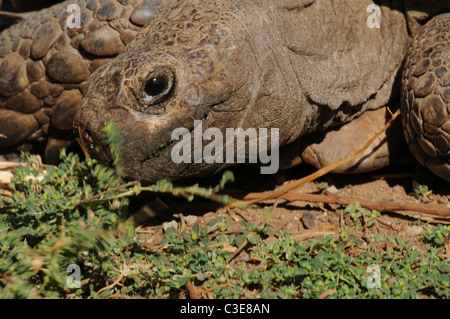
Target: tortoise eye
{"x":156,"y":85}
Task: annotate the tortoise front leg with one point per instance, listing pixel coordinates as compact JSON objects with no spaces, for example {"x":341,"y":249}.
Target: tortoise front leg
{"x":426,"y":96}
{"x":321,"y":149}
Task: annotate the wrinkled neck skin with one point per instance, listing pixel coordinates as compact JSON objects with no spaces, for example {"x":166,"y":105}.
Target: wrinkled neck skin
{"x":237,"y":63}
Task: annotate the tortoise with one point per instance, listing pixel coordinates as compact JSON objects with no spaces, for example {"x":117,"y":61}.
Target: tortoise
{"x":320,"y":71}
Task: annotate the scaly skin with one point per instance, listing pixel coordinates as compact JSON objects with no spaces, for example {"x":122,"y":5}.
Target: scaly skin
{"x":45,"y":66}
{"x":426,"y":96}
{"x":241,"y":64}
{"x":300,"y":66}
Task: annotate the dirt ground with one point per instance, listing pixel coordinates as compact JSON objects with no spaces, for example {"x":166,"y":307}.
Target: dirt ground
{"x":308,"y":220}
{"x":305,"y":220}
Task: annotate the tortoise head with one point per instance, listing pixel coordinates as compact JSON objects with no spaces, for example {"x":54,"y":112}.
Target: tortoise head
{"x":194,"y":61}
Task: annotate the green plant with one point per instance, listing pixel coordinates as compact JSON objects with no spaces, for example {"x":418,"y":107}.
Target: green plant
{"x":43,"y":229}
{"x":436,"y":235}
{"x":361,"y":215}
{"x":422,"y":192}
{"x":77,"y":213}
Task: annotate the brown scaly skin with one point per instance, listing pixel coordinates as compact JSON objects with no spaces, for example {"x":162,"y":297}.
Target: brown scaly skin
{"x":426,"y":96}
{"x":241,"y":64}
{"x":251,"y":64}
{"x":45,"y":66}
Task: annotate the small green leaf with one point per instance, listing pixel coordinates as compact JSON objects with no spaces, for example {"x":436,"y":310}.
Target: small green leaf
{"x":227,"y":176}
{"x":239,"y":240}
{"x":201,"y":277}
{"x":253,"y":239}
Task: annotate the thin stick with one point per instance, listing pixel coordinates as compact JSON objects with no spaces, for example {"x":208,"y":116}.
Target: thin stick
{"x":207,"y":291}
{"x":191,"y":290}
{"x":93,"y":198}
{"x":312,"y":234}
{"x":382,"y":206}
{"x":238,"y":251}
{"x":114,"y":283}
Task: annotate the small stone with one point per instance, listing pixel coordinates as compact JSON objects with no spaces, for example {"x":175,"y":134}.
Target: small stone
{"x":190,"y":220}
{"x":42,"y":117}
{"x":127,"y":35}
{"x":332,"y":190}
{"x":49,"y":100}
{"x":309,"y":220}
{"x":53,"y":149}
{"x":56,"y":90}
{"x":167,"y":225}
{"x":98,"y":63}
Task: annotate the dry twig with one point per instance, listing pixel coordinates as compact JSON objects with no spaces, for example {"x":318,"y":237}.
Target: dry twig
{"x":115,"y":282}
{"x":382,"y":206}
{"x":191,"y":290}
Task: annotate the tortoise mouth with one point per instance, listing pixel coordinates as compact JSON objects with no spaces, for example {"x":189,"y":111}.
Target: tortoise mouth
{"x":146,"y":140}
{"x":92,"y":148}
{"x":84,"y":138}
